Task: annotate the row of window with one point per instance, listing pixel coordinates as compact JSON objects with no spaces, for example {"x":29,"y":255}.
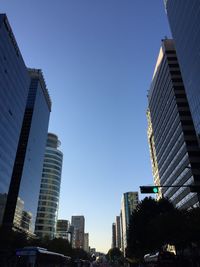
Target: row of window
{"x":46,"y":197}
{"x":52,"y":171}
{"x":169,"y":174}
{"x":44,"y":228}
{"x":46,"y":215}
{"x":56,"y":162}
{"x":172,"y":149}
{"x":48,"y":204}
{"x":50,"y":187}
{"x":49,"y":192}
{"x":52,"y":166}
{"x":46,"y":209}
{"x":51,"y":176}
{"x":50,"y":152}
{"x":46,"y":222}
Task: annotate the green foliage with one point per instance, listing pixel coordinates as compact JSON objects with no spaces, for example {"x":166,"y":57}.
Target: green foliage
{"x":60,"y":245}
{"x":157,"y":223}
{"x":114,"y":255}
{"x":10,"y":240}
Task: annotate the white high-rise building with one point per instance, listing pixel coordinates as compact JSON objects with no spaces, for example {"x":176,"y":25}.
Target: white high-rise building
{"x":47,"y":212}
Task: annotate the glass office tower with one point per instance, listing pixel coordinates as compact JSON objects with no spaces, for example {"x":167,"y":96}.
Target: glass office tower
{"x":26,"y":176}
{"x":113,"y":245}
{"x":14,"y":86}
{"x":175,"y":155}
{"x":47,"y":211}
{"x":78,"y":226}
{"x":118,"y":232}
{"x":184,"y":20}
{"x":129,"y":203}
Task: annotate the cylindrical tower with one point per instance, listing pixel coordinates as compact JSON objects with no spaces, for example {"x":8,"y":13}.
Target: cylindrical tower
{"x":49,"y":189}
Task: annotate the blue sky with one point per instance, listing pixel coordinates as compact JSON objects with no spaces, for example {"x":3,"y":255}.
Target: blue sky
{"x":98,"y":58}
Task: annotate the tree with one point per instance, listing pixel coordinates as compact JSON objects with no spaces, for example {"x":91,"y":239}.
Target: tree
{"x":155,"y":224}
{"x":143,"y":234}
{"x":60,"y":245}
{"x":115,"y":255}
{"x":11,"y":240}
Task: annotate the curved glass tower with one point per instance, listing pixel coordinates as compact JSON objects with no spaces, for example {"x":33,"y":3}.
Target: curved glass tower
{"x":49,"y":189}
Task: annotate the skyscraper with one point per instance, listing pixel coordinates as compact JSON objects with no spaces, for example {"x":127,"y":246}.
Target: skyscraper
{"x":184,"y":20}
{"x":14,"y":86}
{"x":118,"y":232}
{"x":174,"y":150}
{"x":113,"y":235}
{"x":26,"y":174}
{"x":78,"y":223}
{"x":86,"y":242}
{"x":47,"y":211}
{"x":128,"y":205}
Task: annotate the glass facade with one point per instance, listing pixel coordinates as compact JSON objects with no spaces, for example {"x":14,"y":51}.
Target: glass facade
{"x":118,"y":232}
{"x":14,"y":86}
{"x":172,"y":139}
{"x":78,"y":226}
{"x":128,"y":205}
{"x":47,"y":211}
{"x":62,"y":229}
{"x":23,"y":194}
{"x":86,"y":242}
{"x":113,"y":235}
{"x":184,"y":20}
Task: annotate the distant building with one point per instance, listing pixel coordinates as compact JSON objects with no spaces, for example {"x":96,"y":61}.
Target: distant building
{"x":113,"y":235}
{"x":18,"y":213}
{"x":26,"y":220}
{"x":78,"y":223}
{"x":27,"y":169}
{"x":47,"y":211}
{"x":14,"y":87}
{"x":128,"y":205}
{"x":118,"y":232}
{"x":184,"y":21}
{"x":86,"y":242}
{"x":62,"y":229}
{"x":173,"y":143}
{"x":71,"y":232}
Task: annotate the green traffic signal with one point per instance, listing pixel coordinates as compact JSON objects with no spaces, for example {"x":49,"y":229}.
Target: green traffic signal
{"x":149,"y":189}
{"x":155,"y":189}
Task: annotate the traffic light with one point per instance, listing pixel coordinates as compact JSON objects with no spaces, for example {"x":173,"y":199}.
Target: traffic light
{"x":149,"y":189}
{"x":194,"y":188}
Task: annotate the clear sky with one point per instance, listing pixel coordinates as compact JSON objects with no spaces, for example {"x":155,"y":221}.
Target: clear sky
{"x":98,"y":58}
